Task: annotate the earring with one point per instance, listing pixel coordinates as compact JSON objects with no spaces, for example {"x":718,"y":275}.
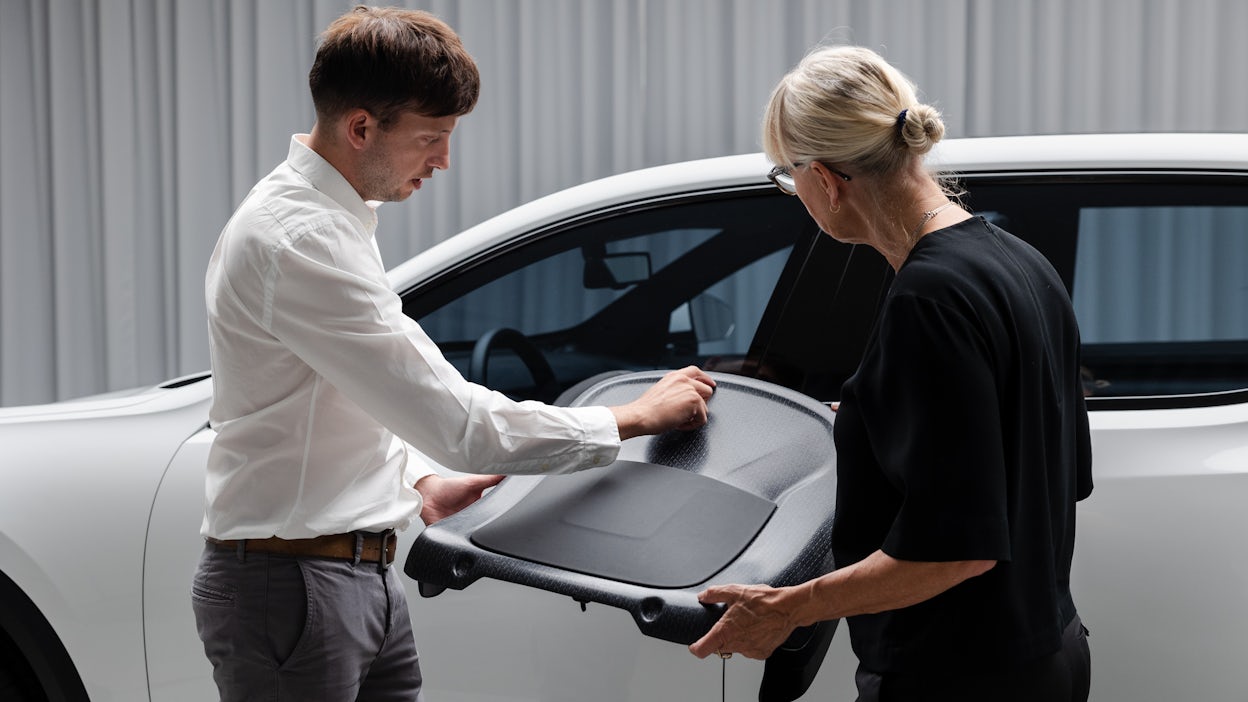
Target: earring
{"x":837,"y":210}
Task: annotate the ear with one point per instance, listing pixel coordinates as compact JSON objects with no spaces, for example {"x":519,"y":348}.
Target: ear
{"x":828,"y":183}
{"x":358,"y":127}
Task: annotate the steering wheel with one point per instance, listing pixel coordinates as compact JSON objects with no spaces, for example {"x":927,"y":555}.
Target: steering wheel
{"x":506,"y":337}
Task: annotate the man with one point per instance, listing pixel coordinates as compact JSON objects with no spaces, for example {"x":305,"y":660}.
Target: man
{"x":322,"y":385}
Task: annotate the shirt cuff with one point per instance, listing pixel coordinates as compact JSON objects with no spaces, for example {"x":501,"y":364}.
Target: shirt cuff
{"x":416,"y":468}
{"x":602,"y":435}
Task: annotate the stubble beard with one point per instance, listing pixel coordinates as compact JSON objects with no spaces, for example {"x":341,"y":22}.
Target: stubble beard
{"x":377,"y":183}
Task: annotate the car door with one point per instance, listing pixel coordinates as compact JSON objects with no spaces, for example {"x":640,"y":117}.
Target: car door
{"x":1156,"y":266}
{"x":654,"y":285}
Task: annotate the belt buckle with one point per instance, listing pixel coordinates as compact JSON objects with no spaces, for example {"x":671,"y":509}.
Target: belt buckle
{"x":382,"y":564}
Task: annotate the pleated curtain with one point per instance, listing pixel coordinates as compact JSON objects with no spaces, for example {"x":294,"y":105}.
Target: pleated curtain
{"x":130,"y":129}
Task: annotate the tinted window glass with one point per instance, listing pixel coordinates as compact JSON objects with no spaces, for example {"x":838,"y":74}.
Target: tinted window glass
{"x":813,"y":340}
{"x":551,"y":293}
{"x":658,"y":288}
{"x":1155,"y":266}
{"x":1146,"y":274}
{"x":1162,"y":298}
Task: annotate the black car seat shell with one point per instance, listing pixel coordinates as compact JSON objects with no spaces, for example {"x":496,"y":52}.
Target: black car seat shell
{"x":748,"y":498}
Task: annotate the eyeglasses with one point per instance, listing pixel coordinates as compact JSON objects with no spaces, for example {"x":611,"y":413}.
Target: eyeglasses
{"x":782,"y":177}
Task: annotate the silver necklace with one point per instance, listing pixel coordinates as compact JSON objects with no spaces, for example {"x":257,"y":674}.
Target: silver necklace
{"x":927,"y":217}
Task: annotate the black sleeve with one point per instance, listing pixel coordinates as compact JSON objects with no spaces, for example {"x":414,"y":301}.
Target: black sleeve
{"x":934,"y":426}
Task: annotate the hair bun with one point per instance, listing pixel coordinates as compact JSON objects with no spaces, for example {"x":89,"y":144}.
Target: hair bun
{"x":920,"y":127}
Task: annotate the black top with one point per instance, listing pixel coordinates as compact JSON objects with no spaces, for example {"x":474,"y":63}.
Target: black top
{"x":963,"y":435}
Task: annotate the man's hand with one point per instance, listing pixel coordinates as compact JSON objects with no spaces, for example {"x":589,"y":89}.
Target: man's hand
{"x":677,"y":401}
{"x":446,"y":496}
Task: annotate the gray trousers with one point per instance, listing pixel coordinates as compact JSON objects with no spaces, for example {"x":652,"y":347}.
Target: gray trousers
{"x":284,"y":628}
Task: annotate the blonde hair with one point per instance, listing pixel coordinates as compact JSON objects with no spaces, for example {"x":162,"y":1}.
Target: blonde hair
{"x":847,"y":105}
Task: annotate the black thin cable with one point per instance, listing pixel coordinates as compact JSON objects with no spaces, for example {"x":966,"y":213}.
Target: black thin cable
{"x":723,"y":679}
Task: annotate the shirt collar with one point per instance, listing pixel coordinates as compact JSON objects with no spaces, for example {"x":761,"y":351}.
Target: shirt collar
{"x":325,"y":178}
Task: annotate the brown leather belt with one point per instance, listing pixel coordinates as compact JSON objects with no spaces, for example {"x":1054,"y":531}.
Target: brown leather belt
{"x":370,"y":547}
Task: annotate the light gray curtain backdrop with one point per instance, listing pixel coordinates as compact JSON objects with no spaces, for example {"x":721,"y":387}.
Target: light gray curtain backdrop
{"x":130,"y":129}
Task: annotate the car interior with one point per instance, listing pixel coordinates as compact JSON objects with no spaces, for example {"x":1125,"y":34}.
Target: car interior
{"x":708,"y":270}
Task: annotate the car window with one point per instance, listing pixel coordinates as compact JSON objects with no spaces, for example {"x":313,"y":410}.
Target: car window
{"x":742,"y":282}
{"x":1162,"y":298}
{"x":552,"y":293}
{"x":1162,"y":274}
{"x":1154,"y":265}
{"x":723,"y":319}
{"x":813,"y":340}
{"x":657,"y":287}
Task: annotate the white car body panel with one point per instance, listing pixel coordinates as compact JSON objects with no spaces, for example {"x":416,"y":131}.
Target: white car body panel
{"x":1161,"y":566}
{"x":74,"y":542}
{"x":106,"y":552}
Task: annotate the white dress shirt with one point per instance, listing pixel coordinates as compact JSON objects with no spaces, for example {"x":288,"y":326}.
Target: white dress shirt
{"x":317,"y":369}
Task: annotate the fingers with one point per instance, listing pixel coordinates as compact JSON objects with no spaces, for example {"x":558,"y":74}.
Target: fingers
{"x":703,"y":383}
{"x":480,"y":483}
{"x":693,"y":377}
{"x":718,"y":594}
{"x":690,"y":412}
{"x":697,"y":417}
{"x":706,"y":645}
{"x":753,"y":624}
{"x":677,"y":401}
{"x":714,"y":640}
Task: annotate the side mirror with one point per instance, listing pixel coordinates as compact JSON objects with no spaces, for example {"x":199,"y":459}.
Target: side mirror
{"x":616,"y":271}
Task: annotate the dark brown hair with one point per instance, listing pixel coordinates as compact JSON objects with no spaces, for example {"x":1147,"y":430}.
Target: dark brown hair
{"x":390,"y":60}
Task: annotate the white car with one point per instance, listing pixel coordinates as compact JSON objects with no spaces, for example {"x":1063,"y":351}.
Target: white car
{"x":707,"y":263}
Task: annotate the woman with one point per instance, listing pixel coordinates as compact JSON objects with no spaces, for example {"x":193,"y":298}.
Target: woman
{"x":962,"y":438}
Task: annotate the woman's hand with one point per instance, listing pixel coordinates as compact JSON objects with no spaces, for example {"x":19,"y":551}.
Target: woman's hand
{"x":757,"y":621}
{"x":759,"y":618}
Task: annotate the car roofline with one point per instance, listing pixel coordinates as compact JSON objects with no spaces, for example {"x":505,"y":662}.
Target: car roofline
{"x":967,"y":156}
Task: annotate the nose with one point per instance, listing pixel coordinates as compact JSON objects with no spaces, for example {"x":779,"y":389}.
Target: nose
{"x":441,"y":158}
